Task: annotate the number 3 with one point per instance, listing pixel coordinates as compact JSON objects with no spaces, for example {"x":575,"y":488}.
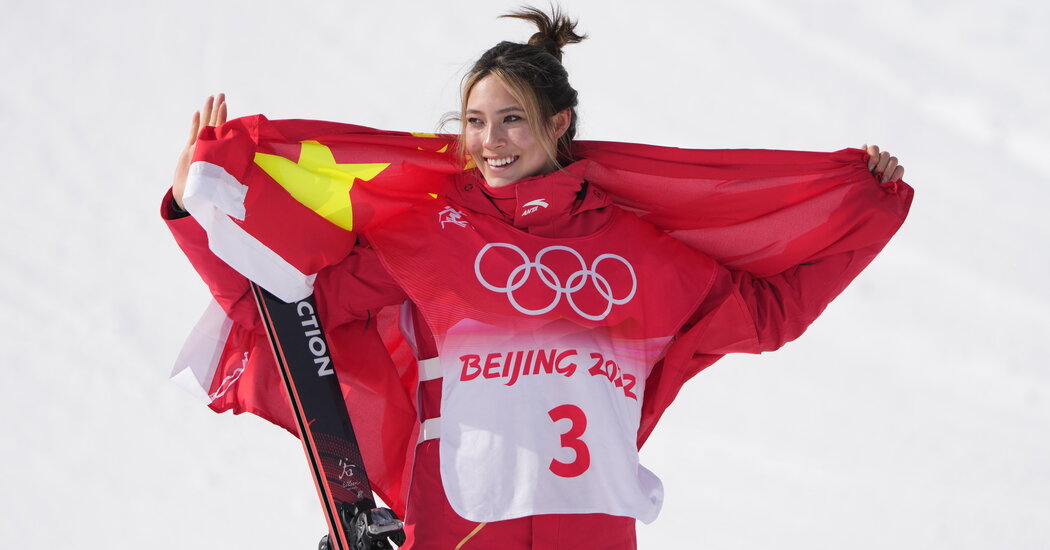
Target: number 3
{"x":571,"y":440}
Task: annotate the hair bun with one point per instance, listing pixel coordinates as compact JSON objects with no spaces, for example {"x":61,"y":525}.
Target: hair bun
{"x":555,"y":30}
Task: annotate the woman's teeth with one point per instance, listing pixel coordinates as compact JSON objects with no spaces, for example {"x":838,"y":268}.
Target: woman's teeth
{"x":501,"y":161}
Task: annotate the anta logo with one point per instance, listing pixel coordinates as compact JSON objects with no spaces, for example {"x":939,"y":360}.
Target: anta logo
{"x":452,"y":216}
{"x":533,"y":206}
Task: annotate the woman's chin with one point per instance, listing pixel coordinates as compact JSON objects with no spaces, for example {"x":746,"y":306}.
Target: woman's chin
{"x":499,"y":182}
{"x":499,"y":178}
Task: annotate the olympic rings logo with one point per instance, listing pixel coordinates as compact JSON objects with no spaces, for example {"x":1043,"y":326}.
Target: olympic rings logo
{"x":572,"y":284}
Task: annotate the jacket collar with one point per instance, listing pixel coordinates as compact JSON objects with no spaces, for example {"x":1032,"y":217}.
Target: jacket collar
{"x":546,"y":201}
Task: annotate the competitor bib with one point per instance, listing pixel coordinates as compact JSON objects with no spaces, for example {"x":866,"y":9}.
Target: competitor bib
{"x":545,"y":346}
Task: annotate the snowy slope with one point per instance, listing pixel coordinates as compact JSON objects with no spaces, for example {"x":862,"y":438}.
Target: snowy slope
{"x":913,"y":414}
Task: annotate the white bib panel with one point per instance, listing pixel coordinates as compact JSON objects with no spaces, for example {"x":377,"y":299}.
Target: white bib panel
{"x":544,"y":421}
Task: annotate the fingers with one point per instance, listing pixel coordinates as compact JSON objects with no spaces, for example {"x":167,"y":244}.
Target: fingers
{"x":873,"y":155}
{"x":217,"y":114}
{"x":220,"y":112}
{"x":195,"y":128}
{"x":213,"y":114}
{"x":206,"y":113}
{"x":883,"y":164}
{"x":885,"y":160}
{"x":897,"y":175}
{"x":889,"y":168}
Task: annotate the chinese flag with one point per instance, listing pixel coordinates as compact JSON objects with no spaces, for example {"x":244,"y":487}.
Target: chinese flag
{"x":280,"y":200}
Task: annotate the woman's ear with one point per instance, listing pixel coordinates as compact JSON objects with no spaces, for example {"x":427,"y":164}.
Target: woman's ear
{"x":560,"y":123}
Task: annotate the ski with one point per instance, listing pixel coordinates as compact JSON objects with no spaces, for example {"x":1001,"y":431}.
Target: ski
{"x":301,"y":351}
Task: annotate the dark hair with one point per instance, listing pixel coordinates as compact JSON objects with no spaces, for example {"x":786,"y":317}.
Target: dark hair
{"x":534,"y":75}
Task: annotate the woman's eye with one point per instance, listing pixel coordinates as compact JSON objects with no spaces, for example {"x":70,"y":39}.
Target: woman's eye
{"x":474,"y":121}
{"x":512,"y":118}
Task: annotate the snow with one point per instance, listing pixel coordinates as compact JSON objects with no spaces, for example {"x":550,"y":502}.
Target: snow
{"x":913,"y":414}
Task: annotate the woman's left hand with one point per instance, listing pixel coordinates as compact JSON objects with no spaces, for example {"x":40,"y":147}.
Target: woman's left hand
{"x":883,"y":165}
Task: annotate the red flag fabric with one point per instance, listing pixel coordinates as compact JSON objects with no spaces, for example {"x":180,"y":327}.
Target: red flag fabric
{"x":322,"y":180}
{"x":281,"y":200}
{"x":761,"y":211}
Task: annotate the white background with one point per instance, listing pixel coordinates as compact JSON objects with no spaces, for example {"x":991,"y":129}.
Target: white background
{"x":914,"y":414}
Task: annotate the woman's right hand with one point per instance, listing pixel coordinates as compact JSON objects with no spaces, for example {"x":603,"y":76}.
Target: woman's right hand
{"x":213,"y":114}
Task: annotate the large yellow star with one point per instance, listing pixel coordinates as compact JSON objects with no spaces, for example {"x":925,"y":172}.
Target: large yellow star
{"x":318,"y":182}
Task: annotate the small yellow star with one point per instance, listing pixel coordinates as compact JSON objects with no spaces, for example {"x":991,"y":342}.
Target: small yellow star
{"x":318,"y":182}
{"x":443,"y":149}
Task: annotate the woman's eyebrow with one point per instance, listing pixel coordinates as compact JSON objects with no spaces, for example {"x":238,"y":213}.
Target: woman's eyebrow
{"x":499,"y":112}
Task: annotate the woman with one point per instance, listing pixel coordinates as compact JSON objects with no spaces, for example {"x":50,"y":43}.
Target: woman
{"x":541,"y":316}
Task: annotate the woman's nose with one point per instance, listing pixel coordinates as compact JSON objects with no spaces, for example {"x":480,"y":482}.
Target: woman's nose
{"x":495,"y":136}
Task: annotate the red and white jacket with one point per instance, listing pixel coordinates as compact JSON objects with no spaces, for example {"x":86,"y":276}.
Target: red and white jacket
{"x":496,"y":287}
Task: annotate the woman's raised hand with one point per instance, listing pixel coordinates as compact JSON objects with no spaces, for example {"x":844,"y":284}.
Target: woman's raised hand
{"x":883,"y":165}
{"x":213,"y":114}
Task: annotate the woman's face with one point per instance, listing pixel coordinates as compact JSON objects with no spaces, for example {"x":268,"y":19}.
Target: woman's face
{"x":499,"y":138}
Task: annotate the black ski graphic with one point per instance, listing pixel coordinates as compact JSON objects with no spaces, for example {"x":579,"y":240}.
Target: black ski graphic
{"x":301,"y":350}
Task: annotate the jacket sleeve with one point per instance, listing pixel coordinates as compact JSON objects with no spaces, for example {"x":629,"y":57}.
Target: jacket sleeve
{"x":747,"y":314}
{"x":742,"y":313}
{"x":354,"y":289}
